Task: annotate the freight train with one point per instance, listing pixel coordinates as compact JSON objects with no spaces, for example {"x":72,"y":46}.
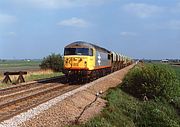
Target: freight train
{"x":85,"y":61}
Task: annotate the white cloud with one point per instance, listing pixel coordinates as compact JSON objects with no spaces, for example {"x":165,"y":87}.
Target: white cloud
{"x":5,"y":19}
{"x":128,"y":34}
{"x":142,"y":10}
{"x":53,"y":4}
{"x":74,"y":22}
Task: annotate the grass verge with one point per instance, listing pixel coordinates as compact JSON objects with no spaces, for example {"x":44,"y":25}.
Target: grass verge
{"x":124,"y":110}
{"x":42,"y":74}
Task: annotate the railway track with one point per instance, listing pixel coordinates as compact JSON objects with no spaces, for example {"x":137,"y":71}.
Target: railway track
{"x":21,"y":98}
{"x":32,"y":84}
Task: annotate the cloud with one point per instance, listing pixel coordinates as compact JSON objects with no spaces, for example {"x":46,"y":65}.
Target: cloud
{"x":54,"y":4}
{"x":6,"y":19}
{"x":128,"y":34}
{"x":74,"y":22}
{"x":142,"y":10}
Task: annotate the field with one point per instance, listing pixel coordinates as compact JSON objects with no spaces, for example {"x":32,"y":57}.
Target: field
{"x":32,"y":67}
{"x":19,"y":65}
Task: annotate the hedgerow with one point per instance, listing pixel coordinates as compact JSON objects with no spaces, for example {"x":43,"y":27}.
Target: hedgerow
{"x":152,"y":81}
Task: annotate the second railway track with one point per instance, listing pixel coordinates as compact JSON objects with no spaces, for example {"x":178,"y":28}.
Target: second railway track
{"x":29,"y":85}
{"x":15,"y":101}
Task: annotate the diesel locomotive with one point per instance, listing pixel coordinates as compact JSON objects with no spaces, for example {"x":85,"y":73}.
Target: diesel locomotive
{"x":86,"y":61}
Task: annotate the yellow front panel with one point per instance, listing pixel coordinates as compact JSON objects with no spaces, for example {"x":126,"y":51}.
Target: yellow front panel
{"x":79,"y":62}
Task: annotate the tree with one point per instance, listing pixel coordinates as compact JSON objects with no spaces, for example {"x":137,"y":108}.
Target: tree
{"x":53,"y":61}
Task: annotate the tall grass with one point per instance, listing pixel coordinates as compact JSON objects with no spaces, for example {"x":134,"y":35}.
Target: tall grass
{"x":177,"y":70}
{"x":41,"y":74}
{"x":1,"y":76}
{"x":176,"y":101}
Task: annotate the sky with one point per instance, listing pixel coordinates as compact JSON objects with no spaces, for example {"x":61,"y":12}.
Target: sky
{"x":33,"y":29}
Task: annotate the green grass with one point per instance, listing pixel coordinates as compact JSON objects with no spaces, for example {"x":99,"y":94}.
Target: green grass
{"x":124,"y":110}
{"x":177,"y":100}
{"x":24,"y":65}
{"x":18,"y":65}
{"x":14,"y":63}
{"x":151,"y":80}
{"x":177,"y":69}
{"x":42,"y":76}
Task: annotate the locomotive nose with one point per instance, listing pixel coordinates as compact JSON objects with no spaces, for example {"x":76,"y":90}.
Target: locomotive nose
{"x":75,"y":62}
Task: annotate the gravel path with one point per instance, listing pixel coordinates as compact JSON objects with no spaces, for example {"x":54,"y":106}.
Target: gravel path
{"x":64,"y":109}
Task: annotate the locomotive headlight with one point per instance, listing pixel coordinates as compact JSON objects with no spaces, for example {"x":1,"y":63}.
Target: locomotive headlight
{"x":66,"y":61}
{"x":85,"y":63}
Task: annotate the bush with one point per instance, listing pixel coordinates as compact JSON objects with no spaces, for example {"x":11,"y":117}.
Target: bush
{"x":151,"y":80}
{"x":53,"y":61}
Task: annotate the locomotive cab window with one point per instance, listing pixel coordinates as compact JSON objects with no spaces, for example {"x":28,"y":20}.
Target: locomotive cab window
{"x":109,"y":56}
{"x":77,"y":51}
{"x":91,"y":52}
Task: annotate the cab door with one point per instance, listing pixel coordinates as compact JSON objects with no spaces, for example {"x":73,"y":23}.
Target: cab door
{"x":91,"y":60}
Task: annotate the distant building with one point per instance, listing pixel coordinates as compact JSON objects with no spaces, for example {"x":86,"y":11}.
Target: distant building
{"x":165,"y":61}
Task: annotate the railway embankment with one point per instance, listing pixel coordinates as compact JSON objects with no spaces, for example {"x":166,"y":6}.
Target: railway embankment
{"x":131,"y":104}
{"x":67,"y":108}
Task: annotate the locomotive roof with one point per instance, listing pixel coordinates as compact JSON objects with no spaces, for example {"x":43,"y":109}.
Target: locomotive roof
{"x":82,"y":43}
